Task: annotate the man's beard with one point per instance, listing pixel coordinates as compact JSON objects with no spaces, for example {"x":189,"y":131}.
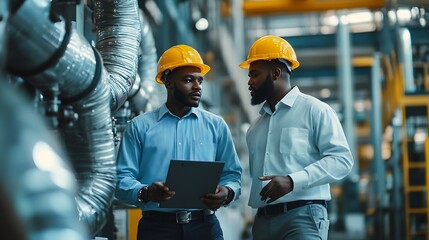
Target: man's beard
{"x":264,"y":92}
{"x":183,"y":99}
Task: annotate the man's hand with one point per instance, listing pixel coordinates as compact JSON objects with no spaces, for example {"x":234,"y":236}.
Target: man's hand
{"x":276,"y":188}
{"x":158,"y":192}
{"x":216,"y":200}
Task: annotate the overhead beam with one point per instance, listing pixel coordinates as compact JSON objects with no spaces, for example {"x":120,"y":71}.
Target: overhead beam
{"x":272,"y":7}
{"x":320,"y":72}
{"x":419,"y":36}
{"x":329,"y":40}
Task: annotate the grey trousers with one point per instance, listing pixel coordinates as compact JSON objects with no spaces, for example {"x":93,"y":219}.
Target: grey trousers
{"x":303,"y":223}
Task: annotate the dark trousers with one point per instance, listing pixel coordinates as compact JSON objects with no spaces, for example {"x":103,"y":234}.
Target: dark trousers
{"x":207,"y":228}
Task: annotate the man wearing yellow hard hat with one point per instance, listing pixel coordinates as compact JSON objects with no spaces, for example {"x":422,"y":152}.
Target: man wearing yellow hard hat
{"x":297,"y":147}
{"x":176,"y":130}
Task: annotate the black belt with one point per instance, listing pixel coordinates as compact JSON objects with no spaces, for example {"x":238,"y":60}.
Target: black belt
{"x":180,"y":217}
{"x":280,"y":208}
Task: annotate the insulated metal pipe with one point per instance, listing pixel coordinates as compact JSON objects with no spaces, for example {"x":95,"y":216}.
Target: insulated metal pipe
{"x":378,"y":168}
{"x":37,"y":185}
{"x":57,"y":60}
{"x":91,"y":147}
{"x":405,"y":55}
{"x":118,"y":40}
{"x":149,"y":58}
{"x":60,"y":56}
{"x":38,"y":47}
{"x":48,"y":55}
{"x":146,"y":92}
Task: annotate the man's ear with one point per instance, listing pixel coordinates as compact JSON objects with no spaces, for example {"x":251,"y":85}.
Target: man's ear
{"x":276,"y":72}
{"x":167,"y":83}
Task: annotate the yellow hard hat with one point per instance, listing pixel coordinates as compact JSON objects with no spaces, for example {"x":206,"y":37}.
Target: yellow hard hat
{"x":271,"y":47}
{"x":180,"y":56}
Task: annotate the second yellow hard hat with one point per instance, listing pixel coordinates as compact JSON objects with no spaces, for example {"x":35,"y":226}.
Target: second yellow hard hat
{"x":271,"y":47}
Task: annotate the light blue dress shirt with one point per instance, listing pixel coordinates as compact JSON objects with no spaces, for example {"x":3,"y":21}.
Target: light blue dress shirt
{"x":302,"y":138}
{"x":154,"y":138}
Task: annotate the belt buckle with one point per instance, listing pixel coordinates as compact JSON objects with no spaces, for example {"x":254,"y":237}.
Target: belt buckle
{"x":183,"y":217}
{"x":208,"y":212}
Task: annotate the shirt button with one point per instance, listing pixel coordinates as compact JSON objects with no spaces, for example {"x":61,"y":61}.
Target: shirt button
{"x":180,"y":143}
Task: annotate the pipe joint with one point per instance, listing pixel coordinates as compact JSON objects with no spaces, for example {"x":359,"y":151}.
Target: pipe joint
{"x":94,"y":83}
{"x":50,"y":62}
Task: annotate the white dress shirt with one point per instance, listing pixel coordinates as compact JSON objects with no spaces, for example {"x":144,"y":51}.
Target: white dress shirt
{"x":302,"y":138}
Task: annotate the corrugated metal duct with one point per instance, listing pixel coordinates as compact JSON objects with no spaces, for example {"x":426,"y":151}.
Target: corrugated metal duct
{"x":143,"y":94}
{"x":37,"y":188}
{"x":54,"y":58}
{"x":37,"y":185}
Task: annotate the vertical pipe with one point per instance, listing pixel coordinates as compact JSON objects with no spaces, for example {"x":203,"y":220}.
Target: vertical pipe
{"x":397,"y":177}
{"x":386,"y":35}
{"x":178,"y":16}
{"x":238,"y":34}
{"x":346,"y":86}
{"x":118,"y":39}
{"x":405,"y":54}
{"x":163,"y":33}
{"x":378,"y":167}
{"x":80,"y":18}
{"x":4,"y":6}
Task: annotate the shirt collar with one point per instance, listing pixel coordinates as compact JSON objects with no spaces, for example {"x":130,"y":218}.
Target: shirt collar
{"x":288,"y":100}
{"x":163,"y":110}
{"x":290,"y":97}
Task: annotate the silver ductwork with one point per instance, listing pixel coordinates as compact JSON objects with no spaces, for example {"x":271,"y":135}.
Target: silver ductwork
{"x":91,"y":148}
{"x":36,"y":50}
{"x":147,"y":66}
{"x":37,"y":184}
{"x":145,"y":92}
{"x":53,"y":57}
{"x":118,"y":39}
{"x":59,"y":62}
